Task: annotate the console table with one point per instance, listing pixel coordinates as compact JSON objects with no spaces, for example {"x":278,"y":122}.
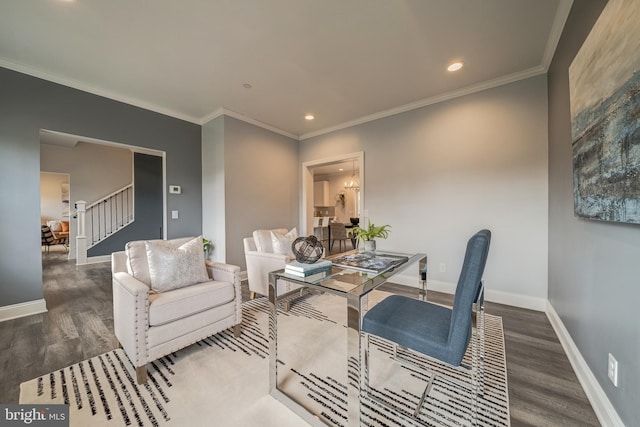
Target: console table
{"x":354,"y":286}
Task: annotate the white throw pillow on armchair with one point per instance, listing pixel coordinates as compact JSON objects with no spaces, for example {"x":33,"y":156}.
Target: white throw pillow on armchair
{"x":262,"y":239}
{"x":173,"y":268}
{"x":281,"y":243}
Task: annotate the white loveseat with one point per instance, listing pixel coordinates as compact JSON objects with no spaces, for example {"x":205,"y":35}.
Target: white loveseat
{"x":150,"y":324}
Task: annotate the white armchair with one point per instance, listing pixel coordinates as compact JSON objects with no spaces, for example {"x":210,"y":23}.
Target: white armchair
{"x":150,"y":324}
{"x":262,"y":259}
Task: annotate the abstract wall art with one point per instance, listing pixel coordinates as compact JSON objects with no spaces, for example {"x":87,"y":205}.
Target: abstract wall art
{"x":604,"y":84}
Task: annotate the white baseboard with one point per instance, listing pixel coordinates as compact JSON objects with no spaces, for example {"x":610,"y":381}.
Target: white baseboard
{"x":97,"y":259}
{"x":601,"y":404}
{"x":22,"y":309}
{"x":500,"y":297}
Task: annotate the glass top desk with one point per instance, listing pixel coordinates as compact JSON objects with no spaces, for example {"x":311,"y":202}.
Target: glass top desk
{"x":354,"y":286}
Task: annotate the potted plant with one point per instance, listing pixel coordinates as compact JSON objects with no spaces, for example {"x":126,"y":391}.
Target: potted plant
{"x":369,"y":234}
{"x":206,"y":247}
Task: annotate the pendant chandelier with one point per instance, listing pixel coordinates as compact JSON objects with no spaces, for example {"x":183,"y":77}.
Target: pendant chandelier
{"x":354,"y":183}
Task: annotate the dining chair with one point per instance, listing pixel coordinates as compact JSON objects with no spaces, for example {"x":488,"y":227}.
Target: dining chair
{"x":338,"y":232}
{"x":437,"y":332}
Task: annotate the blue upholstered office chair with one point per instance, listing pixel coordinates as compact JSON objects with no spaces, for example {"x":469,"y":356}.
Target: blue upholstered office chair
{"x":435,"y":331}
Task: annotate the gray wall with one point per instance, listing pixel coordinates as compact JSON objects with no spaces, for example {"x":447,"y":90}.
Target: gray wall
{"x":261,"y":182}
{"x":147,"y":200}
{"x":440,"y":173}
{"x":593,"y":266}
{"x":29,"y":104}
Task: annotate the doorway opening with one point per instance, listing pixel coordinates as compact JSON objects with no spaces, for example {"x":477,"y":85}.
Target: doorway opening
{"x":327,"y":190}
{"x":54,"y":212}
{"x":96,"y":169}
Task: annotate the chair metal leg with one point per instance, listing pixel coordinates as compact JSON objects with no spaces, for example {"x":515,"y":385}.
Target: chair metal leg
{"x":426,"y":392}
{"x":474,"y":384}
{"x":367,"y":389}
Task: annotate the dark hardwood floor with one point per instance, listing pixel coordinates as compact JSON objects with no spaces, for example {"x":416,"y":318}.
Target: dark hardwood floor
{"x":543,"y":389}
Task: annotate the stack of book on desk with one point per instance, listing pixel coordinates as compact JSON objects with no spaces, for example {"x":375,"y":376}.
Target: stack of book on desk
{"x":300,"y":269}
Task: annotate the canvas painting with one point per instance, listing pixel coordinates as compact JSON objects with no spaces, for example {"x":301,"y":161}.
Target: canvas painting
{"x":604,"y":83}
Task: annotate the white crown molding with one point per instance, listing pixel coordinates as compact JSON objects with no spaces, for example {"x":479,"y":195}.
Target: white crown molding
{"x":521,"y":75}
{"x":96,"y":91}
{"x":23,"y":309}
{"x":225,"y":111}
{"x":559,"y":21}
{"x":556,"y":31}
{"x":601,"y":404}
{"x":212,"y":116}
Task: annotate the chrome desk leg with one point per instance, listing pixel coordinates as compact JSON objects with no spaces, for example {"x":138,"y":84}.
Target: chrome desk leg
{"x":273,"y":333}
{"x":354,"y":355}
{"x":422,"y":272}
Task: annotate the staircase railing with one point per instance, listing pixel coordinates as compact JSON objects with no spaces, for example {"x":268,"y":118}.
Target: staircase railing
{"x":102,"y":218}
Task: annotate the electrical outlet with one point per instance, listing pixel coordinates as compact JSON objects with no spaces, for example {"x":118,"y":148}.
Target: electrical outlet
{"x":443,"y":267}
{"x":612,"y":370}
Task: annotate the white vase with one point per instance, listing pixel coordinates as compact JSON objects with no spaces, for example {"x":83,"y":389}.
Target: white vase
{"x":369,"y":246}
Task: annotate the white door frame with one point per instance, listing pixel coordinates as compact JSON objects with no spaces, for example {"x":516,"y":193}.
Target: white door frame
{"x":306,"y":220}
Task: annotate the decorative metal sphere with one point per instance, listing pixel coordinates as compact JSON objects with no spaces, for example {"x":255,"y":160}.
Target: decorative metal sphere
{"x":307,"y":249}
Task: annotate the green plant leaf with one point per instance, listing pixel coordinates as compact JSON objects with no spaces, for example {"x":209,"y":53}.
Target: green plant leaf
{"x":371,"y":232}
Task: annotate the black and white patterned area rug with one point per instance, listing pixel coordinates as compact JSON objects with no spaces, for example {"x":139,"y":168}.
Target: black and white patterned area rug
{"x":224,"y":381}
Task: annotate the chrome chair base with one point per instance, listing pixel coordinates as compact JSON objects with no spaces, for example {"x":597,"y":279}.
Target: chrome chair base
{"x":475,"y":372}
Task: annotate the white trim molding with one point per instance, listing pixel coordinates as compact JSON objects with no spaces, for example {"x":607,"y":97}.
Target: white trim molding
{"x":22,"y":309}
{"x":75,"y":84}
{"x":562,"y":13}
{"x":500,"y":297}
{"x":226,"y":112}
{"x":489,"y":84}
{"x":97,"y":259}
{"x":601,"y":404}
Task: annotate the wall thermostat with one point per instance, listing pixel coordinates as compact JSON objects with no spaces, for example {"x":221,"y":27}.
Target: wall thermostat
{"x":175,"y":189}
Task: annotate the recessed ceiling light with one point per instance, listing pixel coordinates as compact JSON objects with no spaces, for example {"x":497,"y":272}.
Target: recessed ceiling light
{"x":341,"y":169}
{"x":247,"y":86}
{"x":309,"y":117}
{"x":455,"y":66}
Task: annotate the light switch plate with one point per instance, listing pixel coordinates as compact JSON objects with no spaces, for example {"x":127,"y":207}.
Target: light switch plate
{"x":175,"y":189}
{"x":174,"y":214}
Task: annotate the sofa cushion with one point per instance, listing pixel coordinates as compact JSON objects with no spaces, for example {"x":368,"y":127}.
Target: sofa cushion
{"x":170,"y":306}
{"x":173,"y":268}
{"x":137,"y":264}
{"x":262,"y":239}
{"x":55,"y":225}
{"x":281,"y":243}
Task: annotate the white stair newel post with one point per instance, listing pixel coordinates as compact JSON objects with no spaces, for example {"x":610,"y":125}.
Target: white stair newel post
{"x":81,"y":237}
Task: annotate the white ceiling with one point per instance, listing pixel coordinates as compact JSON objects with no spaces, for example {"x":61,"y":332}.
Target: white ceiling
{"x":346,"y":61}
